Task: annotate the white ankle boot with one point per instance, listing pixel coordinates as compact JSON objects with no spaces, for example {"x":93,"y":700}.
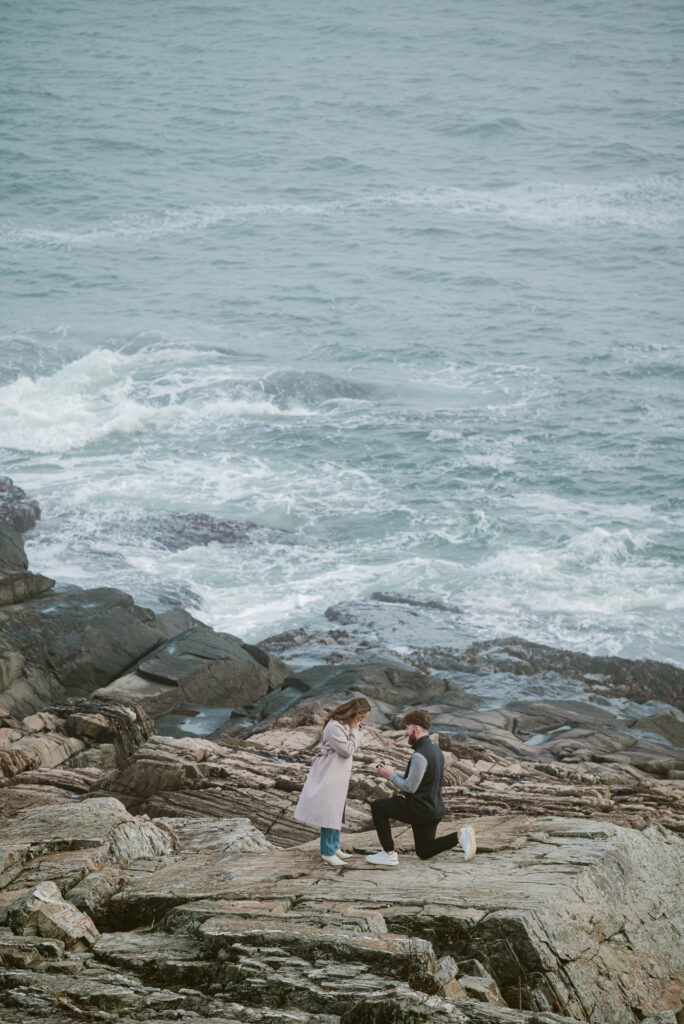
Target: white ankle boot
{"x":333,"y":859}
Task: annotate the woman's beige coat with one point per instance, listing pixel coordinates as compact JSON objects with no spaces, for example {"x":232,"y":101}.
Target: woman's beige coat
{"x":325,"y":791}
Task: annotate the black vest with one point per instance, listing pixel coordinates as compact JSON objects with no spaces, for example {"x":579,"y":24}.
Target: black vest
{"x":427,"y":799}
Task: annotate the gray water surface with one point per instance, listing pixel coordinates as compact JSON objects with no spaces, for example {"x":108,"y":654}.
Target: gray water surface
{"x":401,"y":280}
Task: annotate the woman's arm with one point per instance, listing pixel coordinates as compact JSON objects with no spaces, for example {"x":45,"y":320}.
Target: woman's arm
{"x":337,"y":738}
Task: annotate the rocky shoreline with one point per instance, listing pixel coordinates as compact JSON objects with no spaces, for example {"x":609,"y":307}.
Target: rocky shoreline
{"x":151,"y":870}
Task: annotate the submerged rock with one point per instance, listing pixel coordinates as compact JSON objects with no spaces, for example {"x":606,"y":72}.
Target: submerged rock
{"x":287,"y":386}
{"x":176,"y":531}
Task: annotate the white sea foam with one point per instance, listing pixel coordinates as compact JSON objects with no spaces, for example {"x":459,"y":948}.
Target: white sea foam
{"x":654,"y":204}
{"x":106,"y":392}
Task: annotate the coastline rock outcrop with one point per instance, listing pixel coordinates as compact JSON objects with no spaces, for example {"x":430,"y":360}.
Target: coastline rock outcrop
{"x":557,"y":917}
{"x":16,"y":582}
{"x":638,"y":680}
{"x":163,"y":877}
{"x":200,"y":666}
{"x":15,"y":508}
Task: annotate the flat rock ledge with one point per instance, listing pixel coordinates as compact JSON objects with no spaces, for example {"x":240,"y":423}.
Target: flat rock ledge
{"x":202,"y":919}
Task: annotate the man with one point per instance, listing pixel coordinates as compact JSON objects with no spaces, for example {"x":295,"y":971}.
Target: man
{"x":420,"y":805}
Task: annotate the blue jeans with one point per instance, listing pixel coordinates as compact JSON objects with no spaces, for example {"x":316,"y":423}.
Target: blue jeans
{"x":330,"y":841}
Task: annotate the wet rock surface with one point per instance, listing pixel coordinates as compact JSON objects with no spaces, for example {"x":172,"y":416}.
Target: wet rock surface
{"x":16,"y":582}
{"x":162,"y":877}
{"x":638,"y":681}
{"x":199,"y":665}
{"x":180,"y":530}
{"x":16,"y":508}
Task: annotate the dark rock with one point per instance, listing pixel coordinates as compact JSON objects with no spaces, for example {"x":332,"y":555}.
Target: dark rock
{"x":202,"y":667}
{"x":402,"y":620}
{"x":16,"y":582}
{"x":72,"y":642}
{"x":637,"y":680}
{"x":12,"y":554}
{"x":179,"y":530}
{"x":388,"y":682}
{"x":414,"y":602}
{"x":15,"y":508}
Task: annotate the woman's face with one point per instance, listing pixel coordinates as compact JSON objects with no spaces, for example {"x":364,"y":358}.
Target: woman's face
{"x":359,"y":718}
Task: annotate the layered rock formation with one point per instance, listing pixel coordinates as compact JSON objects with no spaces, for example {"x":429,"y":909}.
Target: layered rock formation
{"x":558,"y":916}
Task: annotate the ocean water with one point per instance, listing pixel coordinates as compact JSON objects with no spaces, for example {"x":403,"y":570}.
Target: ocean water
{"x":400,"y":283}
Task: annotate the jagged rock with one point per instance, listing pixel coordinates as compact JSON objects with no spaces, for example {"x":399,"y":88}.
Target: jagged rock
{"x":37,"y":751}
{"x":388,"y":683}
{"x":200,"y":666}
{"x":72,"y":642}
{"x":27,"y":950}
{"x":639,"y":680}
{"x":553,"y":914}
{"x":198,"y":778}
{"x":414,"y":602}
{"x":16,"y":582}
{"x":418,"y":1008}
{"x":43,"y":911}
{"x":482,"y":987}
{"x":66,"y":842}
{"x":178,"y":530}
{"x":15,"y":508}
{"x":218,"y":836}
{"x":93,"y":893}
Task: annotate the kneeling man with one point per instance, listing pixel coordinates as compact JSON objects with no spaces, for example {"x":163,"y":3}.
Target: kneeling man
{"x":420,"y":805}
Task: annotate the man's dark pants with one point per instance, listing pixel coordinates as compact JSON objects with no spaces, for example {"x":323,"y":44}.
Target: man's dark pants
{"x":424,"y":831}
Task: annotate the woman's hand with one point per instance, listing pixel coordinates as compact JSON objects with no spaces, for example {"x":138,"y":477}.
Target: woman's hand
{"x":356,"y":722}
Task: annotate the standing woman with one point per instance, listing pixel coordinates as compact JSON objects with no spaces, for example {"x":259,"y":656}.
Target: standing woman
{"x":322,"y":800}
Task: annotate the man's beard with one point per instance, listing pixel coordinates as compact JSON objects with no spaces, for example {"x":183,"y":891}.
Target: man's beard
{"x":412,"y":740}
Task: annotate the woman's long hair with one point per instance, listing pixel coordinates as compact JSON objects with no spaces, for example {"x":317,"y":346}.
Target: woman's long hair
{"x":350,"y":709}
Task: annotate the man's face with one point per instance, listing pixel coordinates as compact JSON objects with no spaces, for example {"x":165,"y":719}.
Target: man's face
{"x":410,"y":733}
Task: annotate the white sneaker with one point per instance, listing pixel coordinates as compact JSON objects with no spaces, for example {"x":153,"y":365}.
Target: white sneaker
{"x":466,"y":839}
{"x":389,"y":860}
{"x":343,"y":854}
{"x":333,"y":859}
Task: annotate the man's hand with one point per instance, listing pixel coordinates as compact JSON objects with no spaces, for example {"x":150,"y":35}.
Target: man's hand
{"x":384,"y":770}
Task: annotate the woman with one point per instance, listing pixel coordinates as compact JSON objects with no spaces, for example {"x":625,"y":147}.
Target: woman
{"x":324,"y":795}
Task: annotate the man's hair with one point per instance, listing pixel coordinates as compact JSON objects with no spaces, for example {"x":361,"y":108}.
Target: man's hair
{"x":419,"y":716}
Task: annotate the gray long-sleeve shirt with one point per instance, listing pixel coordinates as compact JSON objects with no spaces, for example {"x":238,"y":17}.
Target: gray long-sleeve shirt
{"x":417,"y":768}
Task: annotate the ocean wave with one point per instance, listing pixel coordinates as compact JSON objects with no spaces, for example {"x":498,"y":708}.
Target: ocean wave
{"x":310,"y":388}
{"x":594,"y":549}
{"x":654,"y":203}
{"x":106,"y":392}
